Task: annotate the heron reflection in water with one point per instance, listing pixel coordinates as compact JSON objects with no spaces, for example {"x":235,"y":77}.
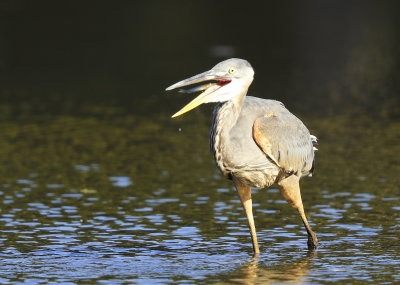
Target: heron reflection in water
{"x":255,"y":142}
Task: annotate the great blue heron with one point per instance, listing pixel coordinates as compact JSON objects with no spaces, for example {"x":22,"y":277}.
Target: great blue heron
{"x":255,"y":142}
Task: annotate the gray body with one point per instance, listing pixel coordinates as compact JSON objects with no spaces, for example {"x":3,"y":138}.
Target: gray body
{"x":238,"y":155}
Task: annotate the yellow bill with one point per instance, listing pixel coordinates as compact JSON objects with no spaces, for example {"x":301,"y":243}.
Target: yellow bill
{"x":202,"y":98}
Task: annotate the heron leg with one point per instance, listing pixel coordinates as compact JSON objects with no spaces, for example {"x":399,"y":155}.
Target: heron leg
{"x":245,"y":197}
{"x":290,"y":189}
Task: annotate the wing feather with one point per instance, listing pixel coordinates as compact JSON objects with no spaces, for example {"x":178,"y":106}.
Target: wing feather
{"x":286,"y":142}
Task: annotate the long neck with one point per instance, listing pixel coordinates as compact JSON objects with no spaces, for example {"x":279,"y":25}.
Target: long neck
{"x":225,"y":117}
{"x":228,"y":113}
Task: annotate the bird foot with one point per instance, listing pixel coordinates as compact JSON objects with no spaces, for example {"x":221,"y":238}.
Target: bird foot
{"x":312,"y":242}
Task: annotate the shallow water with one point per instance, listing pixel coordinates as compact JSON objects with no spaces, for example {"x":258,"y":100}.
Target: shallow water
{"x":131,"y":200}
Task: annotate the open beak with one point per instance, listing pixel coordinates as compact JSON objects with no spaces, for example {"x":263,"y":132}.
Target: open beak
{"x":212,"y":82}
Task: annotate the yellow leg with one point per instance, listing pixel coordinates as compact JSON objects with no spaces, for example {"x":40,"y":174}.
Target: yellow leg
{"x":290,"y":190}
{"x":245,"y":197}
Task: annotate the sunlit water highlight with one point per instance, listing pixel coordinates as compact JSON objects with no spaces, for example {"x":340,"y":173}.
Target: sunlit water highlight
{"x":124,"y":215}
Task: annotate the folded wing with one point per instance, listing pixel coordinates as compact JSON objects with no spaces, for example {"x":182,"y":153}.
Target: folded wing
{"x":286,"y":142}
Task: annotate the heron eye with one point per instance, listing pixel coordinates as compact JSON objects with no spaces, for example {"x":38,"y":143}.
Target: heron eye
{"x":231,"y":70}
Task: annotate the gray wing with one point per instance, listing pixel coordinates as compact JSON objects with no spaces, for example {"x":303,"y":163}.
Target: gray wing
{"x":286,"y":142}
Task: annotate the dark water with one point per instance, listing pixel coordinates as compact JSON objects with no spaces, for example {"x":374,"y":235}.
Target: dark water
{"x":99,"y":185}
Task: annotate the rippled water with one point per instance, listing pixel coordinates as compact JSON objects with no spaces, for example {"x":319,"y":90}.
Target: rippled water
{"x":140,"y":201}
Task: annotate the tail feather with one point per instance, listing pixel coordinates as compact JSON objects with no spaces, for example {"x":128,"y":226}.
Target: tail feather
{"x":314,"y":141}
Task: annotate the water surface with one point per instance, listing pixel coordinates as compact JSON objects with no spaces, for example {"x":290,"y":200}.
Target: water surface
{"x":133,"y":200}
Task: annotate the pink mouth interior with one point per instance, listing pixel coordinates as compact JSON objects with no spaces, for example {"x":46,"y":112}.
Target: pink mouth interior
{"x":223,"y":81}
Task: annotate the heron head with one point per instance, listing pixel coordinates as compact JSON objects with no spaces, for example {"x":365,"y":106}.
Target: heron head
{"x":226,"y":81}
